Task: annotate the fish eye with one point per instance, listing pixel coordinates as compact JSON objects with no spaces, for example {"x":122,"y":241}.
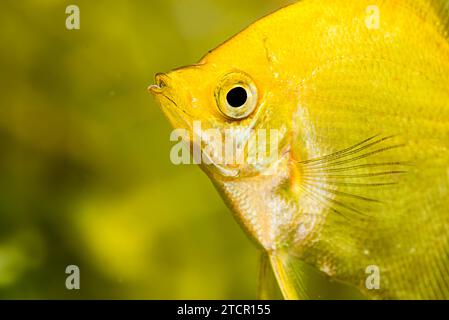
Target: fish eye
{"x":236,"y":95}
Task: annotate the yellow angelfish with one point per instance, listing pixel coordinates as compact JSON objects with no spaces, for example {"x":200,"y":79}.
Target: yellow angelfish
{"x":358,"y":94}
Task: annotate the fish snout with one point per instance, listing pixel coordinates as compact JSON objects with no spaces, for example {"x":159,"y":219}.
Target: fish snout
{"x":161,"y":83}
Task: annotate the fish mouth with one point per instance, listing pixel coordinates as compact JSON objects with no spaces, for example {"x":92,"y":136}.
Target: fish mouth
{"x":179,"y":118}
{"x":162,"y":90}
{"x":162,"y":81}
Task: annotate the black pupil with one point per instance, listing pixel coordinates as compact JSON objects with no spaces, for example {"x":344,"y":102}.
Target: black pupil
{"x":237,"y":97}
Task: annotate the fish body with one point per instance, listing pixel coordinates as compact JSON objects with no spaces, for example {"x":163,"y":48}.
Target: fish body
{"x":358,"y":93}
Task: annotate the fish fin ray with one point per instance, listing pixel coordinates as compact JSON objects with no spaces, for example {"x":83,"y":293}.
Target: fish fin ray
{"x":289,"y":276}
{"x":351,"y":182}
{"x":268,"y":286}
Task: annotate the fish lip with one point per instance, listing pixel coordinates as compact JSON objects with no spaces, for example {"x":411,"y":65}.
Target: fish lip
{"x":178,"y":116}
{"x":162,"y":81}
{"x":161,"y":87}
{"x":161,"y":90}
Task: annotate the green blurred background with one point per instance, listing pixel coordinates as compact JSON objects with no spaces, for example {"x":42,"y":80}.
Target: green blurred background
{"x":84,"y":154}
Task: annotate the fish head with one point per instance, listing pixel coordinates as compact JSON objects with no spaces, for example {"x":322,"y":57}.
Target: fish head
{"x":232,"y":107}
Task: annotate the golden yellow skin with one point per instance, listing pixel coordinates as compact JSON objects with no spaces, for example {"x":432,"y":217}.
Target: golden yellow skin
{"x":364,"y":111}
